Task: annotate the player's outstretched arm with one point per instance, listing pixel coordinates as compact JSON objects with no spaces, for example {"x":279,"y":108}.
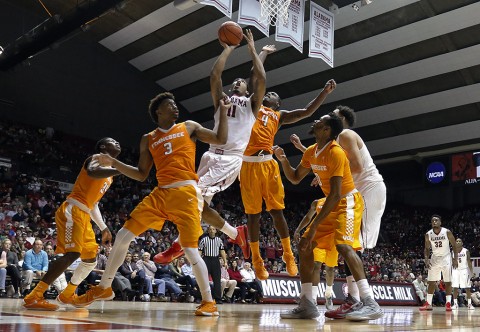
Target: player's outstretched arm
{"x":139,"y":173}
{"x":287,"y":117}
{"x":266,"y":50}
{"x":258,"y":71}
{"x":294,"y":175}
{"x":197,"y":131}
{"x":96,"y":171}
{"x":297,"y":142}
{"x":216,"y":85}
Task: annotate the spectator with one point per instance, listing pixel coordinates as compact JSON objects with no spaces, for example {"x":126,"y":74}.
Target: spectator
{"x":12,"y":268}
{"x":35,"y":265}
{"x":131,"y":271}
{"x":150,"y":268}
{"x":420,"y":289}
{"x":226,"y":282}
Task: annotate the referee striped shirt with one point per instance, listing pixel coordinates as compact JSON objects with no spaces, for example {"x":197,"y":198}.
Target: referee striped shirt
{"x":211,"y":247}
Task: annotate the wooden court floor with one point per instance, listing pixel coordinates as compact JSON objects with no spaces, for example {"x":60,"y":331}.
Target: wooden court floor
{"x":144,"y":316}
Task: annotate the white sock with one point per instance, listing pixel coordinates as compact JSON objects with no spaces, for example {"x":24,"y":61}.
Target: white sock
{"x":314,"y":292}
{"x":81,"y":272}
{"x":469,"y":301}
{"x":429,"y":298}
{"x":229,"y":230}
{"x":307,"y":291}
{"x":352,"y":288}
{"x":449,"y":299}
{"x":328,"y":291}
{"x":364,"y":289}
{"x":117,"y":256}
{"x":200,"y":271}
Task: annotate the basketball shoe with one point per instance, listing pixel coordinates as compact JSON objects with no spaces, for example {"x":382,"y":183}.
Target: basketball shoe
{"x":343,"y":309}
{"x":34,"y":302}
{"x":426,"y":307}
{"x":291,"y":266}
{"x":96,"y":293}
{"x":260,"y":270}
{"x":368,"y":309}
{"x":448,"y":306}
{"x":242,"y":240}
{"x":207,"y":309}
{"x":305,"y":310}
{"x":169,"y":255}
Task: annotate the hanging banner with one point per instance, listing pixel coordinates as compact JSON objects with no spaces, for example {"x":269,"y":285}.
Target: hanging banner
{"x":249,"y":14}
{"x":321,"y":34}
{"x":292,"y":31}
{"x":224,"y":6}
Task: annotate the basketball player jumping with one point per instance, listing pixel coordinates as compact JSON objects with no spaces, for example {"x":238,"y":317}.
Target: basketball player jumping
{"x":220,"y":165}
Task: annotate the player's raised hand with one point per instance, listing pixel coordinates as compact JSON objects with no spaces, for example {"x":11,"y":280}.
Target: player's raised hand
{"x":225,"y":103}
{"x":296,"y":141}
{"x":103,"y":159}
{"x":248,"y":36}
{"x":330,"y":86}
{"x":269,"y":49}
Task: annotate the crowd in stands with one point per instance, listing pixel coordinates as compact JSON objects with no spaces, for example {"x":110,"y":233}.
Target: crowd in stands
{"x":33,"y":161}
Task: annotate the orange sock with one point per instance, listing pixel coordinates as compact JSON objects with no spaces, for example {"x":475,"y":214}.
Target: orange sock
{"x":68,"y":292}
{"x":287,"y":249}
{"x":38,"y":290}
{"x":255,"y":247}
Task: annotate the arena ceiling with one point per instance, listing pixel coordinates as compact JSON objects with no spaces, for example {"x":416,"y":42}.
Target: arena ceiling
{"x":410,"y":68}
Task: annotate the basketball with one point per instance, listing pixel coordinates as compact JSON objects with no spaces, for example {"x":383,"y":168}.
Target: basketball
{"x":230,"y":33}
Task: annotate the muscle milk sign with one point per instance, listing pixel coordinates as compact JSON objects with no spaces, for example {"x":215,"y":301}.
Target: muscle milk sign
{"x":282,"y":288}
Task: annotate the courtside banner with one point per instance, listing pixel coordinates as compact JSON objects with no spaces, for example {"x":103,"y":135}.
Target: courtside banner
{"x":476,"y":265}
{"x":249,"y":14}
{"x":292,"y":31}
{"x":224,"y":6}
{"x":321,"y":34}
{"x":281,"y":288}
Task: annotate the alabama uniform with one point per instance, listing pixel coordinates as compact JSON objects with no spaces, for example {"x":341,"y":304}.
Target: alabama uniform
{"x":461,"y":275}
{"x":220,"y":165}
{"x":440,"y":260}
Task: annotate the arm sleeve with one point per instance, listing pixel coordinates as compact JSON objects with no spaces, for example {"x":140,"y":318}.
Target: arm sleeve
{"x":97,"y":217}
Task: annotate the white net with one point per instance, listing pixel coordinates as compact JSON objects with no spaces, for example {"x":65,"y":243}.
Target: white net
{"x":274,"y":12}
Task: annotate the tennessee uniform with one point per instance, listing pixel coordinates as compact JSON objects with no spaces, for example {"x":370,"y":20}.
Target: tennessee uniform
{"x":329,"y":257}
{"x":260,"y":175}
{"x":74,"y":229}
{"x":342,"y":225}
{"x":177,"y":197}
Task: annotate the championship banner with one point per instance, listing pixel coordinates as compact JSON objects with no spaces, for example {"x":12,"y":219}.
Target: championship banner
{"x":249,"y":14}
{"x":224,"y":6}
{"x":281,"y":288}
{"x":321,"y":34}
{"x":292,"y":31}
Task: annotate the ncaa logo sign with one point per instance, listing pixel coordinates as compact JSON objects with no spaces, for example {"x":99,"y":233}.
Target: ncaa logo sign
{"x":436,"y":172}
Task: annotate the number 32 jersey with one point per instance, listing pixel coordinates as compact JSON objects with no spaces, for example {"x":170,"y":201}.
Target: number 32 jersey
{"x":439,"y":242}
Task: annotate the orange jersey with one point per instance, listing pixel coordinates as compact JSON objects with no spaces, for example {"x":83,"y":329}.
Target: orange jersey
{"x":88,"y":190}
{"x":263,"y":131}
{"x":328,"y":162}
{"x":173,"y":153}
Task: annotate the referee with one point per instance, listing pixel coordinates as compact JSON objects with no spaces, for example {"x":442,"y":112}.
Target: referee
{"x":210,"y":248}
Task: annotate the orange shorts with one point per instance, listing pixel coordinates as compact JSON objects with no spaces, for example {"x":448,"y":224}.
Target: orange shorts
{"x":181,"y":205}
{"x":261,"y":181}
{"x":342,"y":225}
{"x":74,"y":231}
{"x":329,"y":257}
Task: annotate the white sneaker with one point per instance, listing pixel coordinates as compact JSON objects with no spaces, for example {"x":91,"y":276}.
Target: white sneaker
{"x":470,"y":307}
{"x":455,"y":306}
{"x":329,"y":303}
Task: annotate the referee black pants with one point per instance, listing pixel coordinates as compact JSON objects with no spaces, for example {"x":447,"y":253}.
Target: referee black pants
{"x":214,"y":269}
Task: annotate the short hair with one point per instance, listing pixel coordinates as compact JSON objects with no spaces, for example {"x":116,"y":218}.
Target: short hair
{"x":155,"y":103}
{"x":101,"y":142}
{"x":348,"y":114}
{"x":436,"y":216}
{"x":335,"y":124}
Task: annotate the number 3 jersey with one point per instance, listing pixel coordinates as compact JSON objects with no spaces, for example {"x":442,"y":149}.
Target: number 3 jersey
{"x":439,"y":242}
{"x":173,"y":153}
{"x":240,"y":121}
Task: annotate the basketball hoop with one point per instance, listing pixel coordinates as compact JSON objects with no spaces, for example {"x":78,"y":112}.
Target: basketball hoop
{"x":274,"y":12}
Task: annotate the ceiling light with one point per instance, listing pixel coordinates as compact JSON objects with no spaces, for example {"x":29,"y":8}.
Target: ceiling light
{"x":1,"y":50}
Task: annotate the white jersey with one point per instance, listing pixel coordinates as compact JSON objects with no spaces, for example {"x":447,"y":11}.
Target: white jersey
{"x":462,"y":259}
{"x":240,"y":122}
{"x":439,"y":242}
{"x":369,"y":174}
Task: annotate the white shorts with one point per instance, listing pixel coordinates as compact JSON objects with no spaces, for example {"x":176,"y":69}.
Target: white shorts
{"x":440,"y":266}
{"x":460,"y":278}
{"x":217,"y":172}
{"x":375,"y":199}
